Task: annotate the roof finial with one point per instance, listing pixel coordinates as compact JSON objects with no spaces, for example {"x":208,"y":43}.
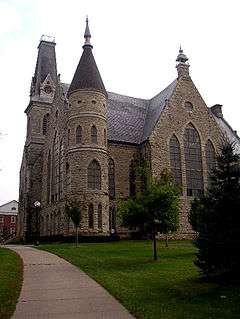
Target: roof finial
{"x":181,"y":58}
{"x":87,"y":35}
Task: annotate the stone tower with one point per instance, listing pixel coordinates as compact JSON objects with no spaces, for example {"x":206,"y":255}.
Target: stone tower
{"x":42,"y":92}
{"x":87,"y":166}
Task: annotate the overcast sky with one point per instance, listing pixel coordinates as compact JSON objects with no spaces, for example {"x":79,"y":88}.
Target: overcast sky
{"x":135,"y":46}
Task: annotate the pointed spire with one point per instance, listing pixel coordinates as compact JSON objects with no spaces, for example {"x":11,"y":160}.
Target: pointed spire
{"x":181,"y":58}
{"x":87,"y":75}
{"x":87,"y":35}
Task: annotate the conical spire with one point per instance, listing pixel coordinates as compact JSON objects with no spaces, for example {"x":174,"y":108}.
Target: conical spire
{"x":87,"y":75}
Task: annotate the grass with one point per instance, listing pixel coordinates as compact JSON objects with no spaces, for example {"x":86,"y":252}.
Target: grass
{"x":168,"y":289}
{"x":10,"y":281}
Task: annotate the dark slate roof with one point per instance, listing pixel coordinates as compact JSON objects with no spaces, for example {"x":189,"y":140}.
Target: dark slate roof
{"x":87,"y":75}
{"x":131,"y":120}
{"x":46,"y":64}
{"x":126,"y":116}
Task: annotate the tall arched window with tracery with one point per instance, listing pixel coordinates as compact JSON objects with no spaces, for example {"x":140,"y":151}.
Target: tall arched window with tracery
{"x":112,"y":219}
{"x":94,"y":175}
{"x":210,"y":161}
{"x":193,"y":159}
{"x":55,"y":168}
{"x":94,"y":134}
{"x":111,"y":178}
{"x":105,"y":137}
{"x":29,"y":128}
{"x":45,"y":124}
{"x":90,"y":216}
{"x":132,"y":179}
{"x":61,"y":167}
{"x":68,"y":137}
{"x":175,"y":160}
{"x":79,"y":135}
{"x":99,"y":216}
{"x":49,"y":177}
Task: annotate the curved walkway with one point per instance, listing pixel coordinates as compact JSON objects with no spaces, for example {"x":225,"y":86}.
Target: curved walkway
{"x":53,"y":288}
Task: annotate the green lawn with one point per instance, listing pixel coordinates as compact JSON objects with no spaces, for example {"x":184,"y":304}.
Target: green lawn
{"x":10,"y":281}
{"x":168,"y":289}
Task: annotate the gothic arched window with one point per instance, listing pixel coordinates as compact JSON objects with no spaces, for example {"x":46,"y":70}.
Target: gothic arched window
{"x":79,"y":135}
{"x":132,"y":179}
{"x":193,"y":159}
{"x":45,"y":124}
{"x":210,"y":160}
{"x":94,"y":134}
{"x":94,"y":175}
{"x":90,"y":216}
{"x":68,"y":137}
{"x":61,"y":166}
{"x":49,"y":177}
{"x":55,"y":169}
{"x":175,"y":160}
{"x":112,"y":219}
{"x":99,"y":216}
{"x":111,"y":177}
{"x":105,"y":137}
{"x":29,"y":128}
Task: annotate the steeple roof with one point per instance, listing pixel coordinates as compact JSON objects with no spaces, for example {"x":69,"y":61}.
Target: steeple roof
{"x":46,"y":64}
{"x":87,"y":75}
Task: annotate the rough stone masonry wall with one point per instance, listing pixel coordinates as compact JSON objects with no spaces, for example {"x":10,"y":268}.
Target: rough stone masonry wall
{"x":88,"y":108}
{"x":53,"y":218}
{"x":174,"y":120}
{"x":122,"y":155}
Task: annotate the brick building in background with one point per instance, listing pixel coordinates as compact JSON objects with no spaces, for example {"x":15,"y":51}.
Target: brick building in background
{"x":83,"y":144}
{"x":8,"y":219}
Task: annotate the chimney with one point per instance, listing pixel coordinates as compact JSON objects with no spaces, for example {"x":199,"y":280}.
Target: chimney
{"x":217,"y":110}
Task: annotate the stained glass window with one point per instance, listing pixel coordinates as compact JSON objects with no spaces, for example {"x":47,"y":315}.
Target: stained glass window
{"x":193,"y":159}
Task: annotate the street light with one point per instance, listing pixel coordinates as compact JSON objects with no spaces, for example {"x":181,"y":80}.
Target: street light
{"x":37,"y":205}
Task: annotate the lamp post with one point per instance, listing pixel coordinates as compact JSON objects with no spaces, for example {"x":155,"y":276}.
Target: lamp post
{"x":37,"y":206}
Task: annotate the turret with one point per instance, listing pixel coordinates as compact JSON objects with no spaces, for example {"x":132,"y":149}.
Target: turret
{"x":42,"y":92}
{"x":182,"y":64}
{"x":87,"y":148}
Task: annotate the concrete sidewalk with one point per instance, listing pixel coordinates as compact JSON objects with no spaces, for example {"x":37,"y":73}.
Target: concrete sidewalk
{"x":53,"y":288}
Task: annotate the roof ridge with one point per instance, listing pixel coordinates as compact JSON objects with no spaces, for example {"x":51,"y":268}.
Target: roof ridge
{"x":128,"y":96}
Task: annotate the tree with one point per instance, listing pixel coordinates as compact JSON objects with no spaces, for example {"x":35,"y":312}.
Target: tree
{"x":216,"y":218}
{"x":155,"y":206}
{"x":73,"y":211}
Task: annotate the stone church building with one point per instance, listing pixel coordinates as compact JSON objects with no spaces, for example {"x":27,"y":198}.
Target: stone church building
{"x":83,"y":143}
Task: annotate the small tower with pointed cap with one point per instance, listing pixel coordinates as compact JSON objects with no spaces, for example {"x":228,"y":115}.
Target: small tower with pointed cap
{"x":182,"y":64}
{"x":87,"y":149}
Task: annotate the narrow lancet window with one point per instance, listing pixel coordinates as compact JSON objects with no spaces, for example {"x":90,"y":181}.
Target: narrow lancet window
{"x":175,"y":161}
{"x":193,"y":159}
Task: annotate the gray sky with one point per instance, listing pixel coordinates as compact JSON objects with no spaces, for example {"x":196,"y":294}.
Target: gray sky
{"x":135,"y":45}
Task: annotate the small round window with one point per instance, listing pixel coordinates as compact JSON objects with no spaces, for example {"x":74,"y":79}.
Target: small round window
{"x":188,"y":106}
